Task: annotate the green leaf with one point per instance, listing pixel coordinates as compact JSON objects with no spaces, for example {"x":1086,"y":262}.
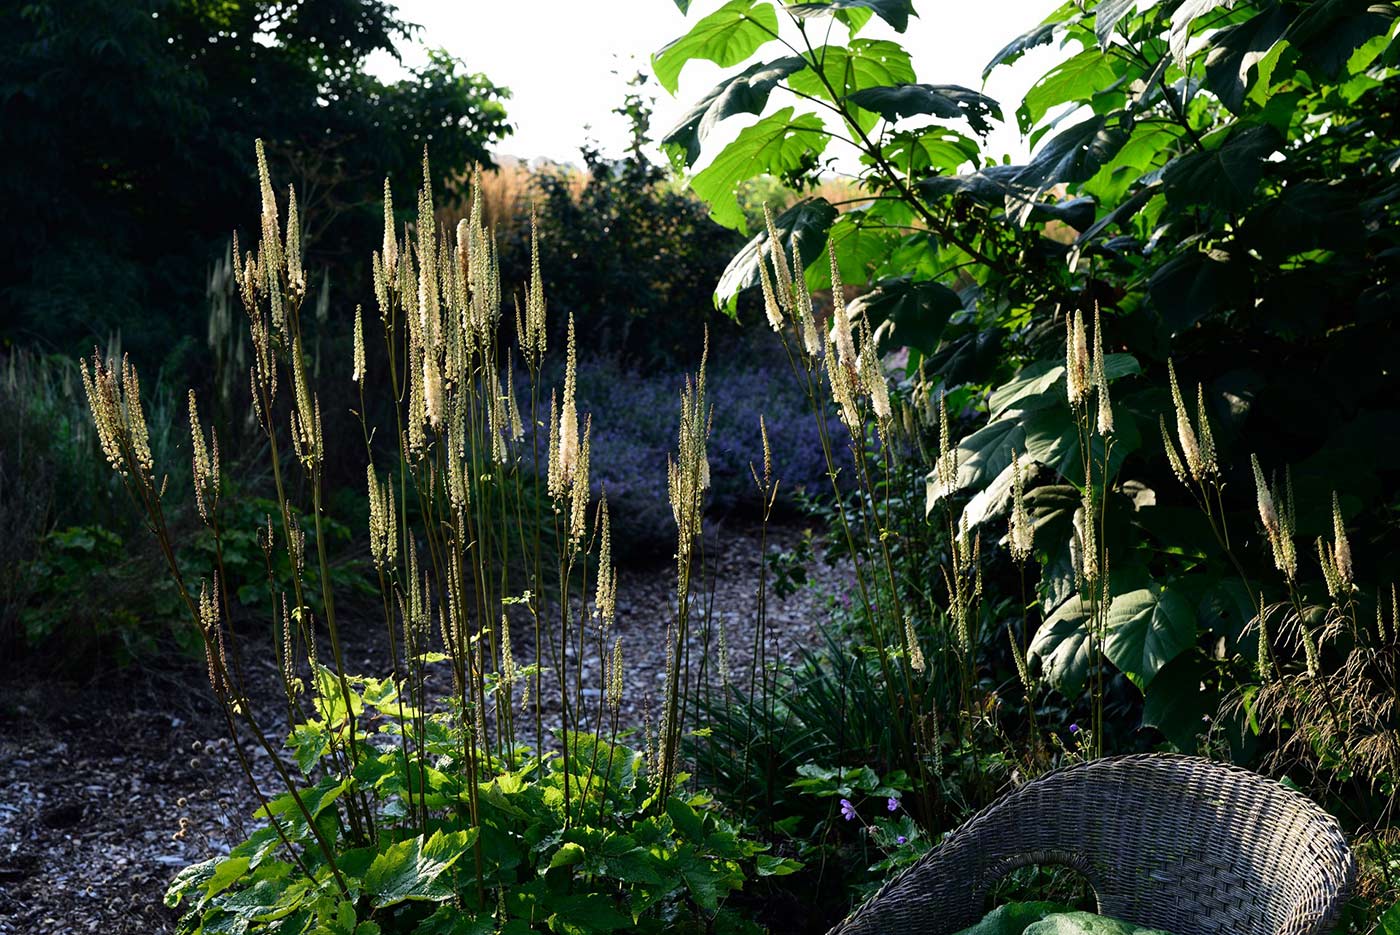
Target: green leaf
{"x":744,"y":93}
{"x":1086,"y":923}
{"x":802,"y":230}
{"x":1390,"y":921}
{"x":569,"y":854}
{"x":770,"y":866}
{"x":689,"y":823}
{"x":1223,"y":178}
{"x":981,"y":457}
{"x":946,"y":101}
{"x":1041,"y":384}
{"x":726,"y":37}
{"x":780,"y":143}
{"x":1187,"y":287}
{"x":1062,"y":646}
{"x":1039,"y":35}
{"x":894,"y":12}
{"x":1074,"y":155}
{"x":1175,"y":702}
{"x":1147,"y":629}
{"x":226,"y":873}
{"x":1076,"y":79}
{"x":1109,"y":13}
{"x":905,"y":313}
{"x":864,"y":63}
{"x":1182,"y":18}
{"x":1012,"y":918}
{"x":414,"y":869}
{"x":1236,"y":50}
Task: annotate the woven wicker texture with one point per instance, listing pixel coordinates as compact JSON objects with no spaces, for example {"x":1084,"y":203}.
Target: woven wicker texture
{"x":1172,"y":842}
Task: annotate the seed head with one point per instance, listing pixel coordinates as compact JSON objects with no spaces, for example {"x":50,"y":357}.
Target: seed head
{"x":776,"y":252}
{"x":614,"y":693}
{"x":605,"y":598}
{"x":1104,"y":422}
{"x":357,"y":373}
{"x":1078,"y":366}
{"x":1021,"y":535}
{"x":916,"y":650}
{"x":841,"y":322}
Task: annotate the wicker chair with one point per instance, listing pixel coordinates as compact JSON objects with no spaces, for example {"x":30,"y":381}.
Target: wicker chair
{"x":1171,"y":842}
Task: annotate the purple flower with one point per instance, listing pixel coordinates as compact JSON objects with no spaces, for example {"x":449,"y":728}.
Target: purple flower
{"x":891,"y":804}
{"x":901,"y":839}
{"x":1074,"y":728}
{"x":848,"y":811}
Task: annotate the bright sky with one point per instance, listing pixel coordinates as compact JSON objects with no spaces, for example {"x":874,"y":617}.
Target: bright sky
{"x":567,"y":61}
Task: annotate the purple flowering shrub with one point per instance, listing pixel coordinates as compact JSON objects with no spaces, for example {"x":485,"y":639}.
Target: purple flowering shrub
{"x":635,"y":416}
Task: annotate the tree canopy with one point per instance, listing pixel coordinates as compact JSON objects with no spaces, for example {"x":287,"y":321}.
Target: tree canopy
{"x":128,"y":128}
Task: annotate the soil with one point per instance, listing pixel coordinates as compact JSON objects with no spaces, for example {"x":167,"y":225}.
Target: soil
{"x":108,"y":789}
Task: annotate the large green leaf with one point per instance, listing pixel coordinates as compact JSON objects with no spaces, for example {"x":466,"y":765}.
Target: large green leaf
{"x":1223,"y":178}
{"x":1174,"y":703}
{"x":1041,"y":34}
{"x":894,"y":12}
{"x":1109,"y":13}
{"x":744,"y":93}
{"x":1087,"y":923}
{"x":1012,"y":918}
{"x":1182,"y":18}
{"x":1062,"y":646}
{"x":1235,"y":51}
{"x":1147,"y":629}
{"x":1074,"y":155}
{"x":726,"y":37}
{"x":863,"y":63}
{"x":414,"y":869}
{"x":905,"y":313}
{"x":1188,"y":287}
{"x":1041,"y":383}
{"x":930,"y":148}
{"x":802,"y":231}
{"x":981,"y":457}
{"x":947,"y":101}
{"x":782,"y":142}
{"x":1074,"y":80}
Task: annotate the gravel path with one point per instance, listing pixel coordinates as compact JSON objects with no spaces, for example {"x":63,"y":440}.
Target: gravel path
{"x":107,"y":790}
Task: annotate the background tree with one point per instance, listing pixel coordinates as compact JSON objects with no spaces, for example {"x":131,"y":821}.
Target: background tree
{"x":128,"y":130}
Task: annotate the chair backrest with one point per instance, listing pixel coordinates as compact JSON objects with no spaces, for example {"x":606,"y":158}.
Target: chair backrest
{"x":1172,"y":842}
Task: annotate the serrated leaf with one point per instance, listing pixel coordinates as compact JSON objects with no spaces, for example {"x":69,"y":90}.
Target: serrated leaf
{"x":1086,"y":923}
{"x":802,"y":231}
{"x":414,"y":869}
{"x":779,"y":143}
{"x":744,"y":93}
{"x":894,"y":12}
{"x":946,"y":101}
{"x":1147,"y":629}
{"x":570,"y":853}
{"x":904,"y":313}
{"x":726,"y":37}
